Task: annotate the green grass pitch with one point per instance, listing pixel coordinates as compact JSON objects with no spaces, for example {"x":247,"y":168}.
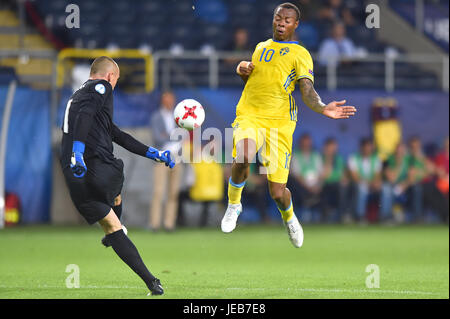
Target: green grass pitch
{"x":252,"y":262}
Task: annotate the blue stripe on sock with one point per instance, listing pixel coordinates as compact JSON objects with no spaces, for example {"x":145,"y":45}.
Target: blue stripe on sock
{"x":237,"y":185}
{"x":285,"y":210}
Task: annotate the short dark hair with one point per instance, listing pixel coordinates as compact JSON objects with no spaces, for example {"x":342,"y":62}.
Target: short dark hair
{"x":330,"y":140}
{"x":414,"y":138}
{"x":364,"y":141}
{"x":288,"y":5}
{"x":305,"y":135}
{"x":166,"y":92}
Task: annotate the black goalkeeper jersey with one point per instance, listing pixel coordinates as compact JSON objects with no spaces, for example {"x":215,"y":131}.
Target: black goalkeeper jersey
{"x":89,"y":118}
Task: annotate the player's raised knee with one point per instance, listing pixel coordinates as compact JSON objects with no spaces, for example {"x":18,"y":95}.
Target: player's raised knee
{"x":245,"y":151}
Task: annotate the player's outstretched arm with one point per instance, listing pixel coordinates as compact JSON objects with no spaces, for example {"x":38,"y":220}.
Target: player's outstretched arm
{"x":131,"y":144}
{"x":334,"y":110}
{"x":244,"y":69}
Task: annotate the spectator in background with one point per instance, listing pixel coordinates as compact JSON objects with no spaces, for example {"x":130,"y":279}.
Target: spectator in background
{"x":337,"y":47}
{"x":441,"y":164}
{"x":240,"y":41}
{"x":307,"y":171}
{"x":365,"y":172}
{"x":308,"y":9}
{"x":442,"y":176}
{"x":307,"y":33}
{"x":336,"y":10}
{"x":240,"y":44}
{"x":165,"y":181}
{"x":426,"y":172}
{"x":208,"y":187}
{"x":335,"y":183}
{"x":402,"y":185}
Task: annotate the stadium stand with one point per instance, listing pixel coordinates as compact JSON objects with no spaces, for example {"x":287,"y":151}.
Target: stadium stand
{"x":435,"y":18}
{"x":28,"y":68}
{"x":105,"y":23}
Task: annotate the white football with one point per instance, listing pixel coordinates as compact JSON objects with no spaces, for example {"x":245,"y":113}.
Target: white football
{"x":189,"y":114}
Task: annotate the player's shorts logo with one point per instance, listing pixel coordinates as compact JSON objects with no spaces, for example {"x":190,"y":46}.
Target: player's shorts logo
{"x":284,"y":51}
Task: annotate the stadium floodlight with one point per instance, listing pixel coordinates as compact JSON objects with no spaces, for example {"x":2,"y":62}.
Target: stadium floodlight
{"x":3,"y":142}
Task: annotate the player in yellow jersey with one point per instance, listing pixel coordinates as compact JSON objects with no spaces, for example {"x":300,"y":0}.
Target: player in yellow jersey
{"x":266,"y":116}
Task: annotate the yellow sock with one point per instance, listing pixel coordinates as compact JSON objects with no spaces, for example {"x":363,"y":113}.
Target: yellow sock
{"x":234,"y":192}
{"x":288,"y":213}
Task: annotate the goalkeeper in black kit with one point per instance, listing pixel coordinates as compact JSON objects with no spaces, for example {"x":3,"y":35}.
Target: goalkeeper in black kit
{"x":92,"y":173}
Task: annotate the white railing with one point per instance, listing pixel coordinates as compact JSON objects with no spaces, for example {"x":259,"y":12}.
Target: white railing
{"x":3,"y":140}
{"x":213,"y":59}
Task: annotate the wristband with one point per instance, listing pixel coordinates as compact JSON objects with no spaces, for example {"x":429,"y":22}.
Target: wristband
{"x":237,"y":68}
{"x":78,"y":147}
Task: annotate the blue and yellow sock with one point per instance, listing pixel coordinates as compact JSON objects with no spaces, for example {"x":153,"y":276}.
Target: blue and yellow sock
{"x":287,"y":214}
{"x":235,"y":192}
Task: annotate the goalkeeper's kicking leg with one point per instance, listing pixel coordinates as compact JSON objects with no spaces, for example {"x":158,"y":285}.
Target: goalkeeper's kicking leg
{"x":117,"y":208}
{"x":126,"y":250}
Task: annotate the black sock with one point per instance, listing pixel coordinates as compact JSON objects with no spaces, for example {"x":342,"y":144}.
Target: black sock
{"x":126,"y":250}
{"x":118,"y":210}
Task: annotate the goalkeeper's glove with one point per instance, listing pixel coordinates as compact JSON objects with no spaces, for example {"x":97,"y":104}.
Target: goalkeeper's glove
{"x":161,"y":157}
{"x":77,"y":162}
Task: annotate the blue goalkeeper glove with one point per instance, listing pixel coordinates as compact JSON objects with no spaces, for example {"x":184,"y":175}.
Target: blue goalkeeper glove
{"x":161,"y":157}
{"x":77,"y":162}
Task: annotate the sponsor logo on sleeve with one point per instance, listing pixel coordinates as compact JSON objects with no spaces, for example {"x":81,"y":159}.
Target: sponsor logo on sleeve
{"x":100,"y":88}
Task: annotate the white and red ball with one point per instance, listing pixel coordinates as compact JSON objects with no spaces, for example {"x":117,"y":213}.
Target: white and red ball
{"x":189,"y":114}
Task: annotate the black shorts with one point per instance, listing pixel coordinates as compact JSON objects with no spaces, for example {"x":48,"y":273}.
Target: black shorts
{"x":94,"y":194}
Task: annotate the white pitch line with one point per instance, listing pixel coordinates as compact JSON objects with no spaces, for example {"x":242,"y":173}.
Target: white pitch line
{"x":338,"y":290}
{"x":62,"y":286}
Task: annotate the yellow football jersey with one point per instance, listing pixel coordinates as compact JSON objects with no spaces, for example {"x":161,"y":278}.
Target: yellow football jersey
{"x":278,"y":66}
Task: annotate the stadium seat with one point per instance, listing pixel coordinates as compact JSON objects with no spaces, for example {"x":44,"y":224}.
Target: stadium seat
{"x":212,"y":11}
{"x":91,"y":17}
{"x":186,"y":36}
{"x":126,"y":20}
{"x":212,"y":34}
{"x":122,"y":6}
{"x":149,"y":7}
{"x":181,"y":8}
{"x":7,"y":74}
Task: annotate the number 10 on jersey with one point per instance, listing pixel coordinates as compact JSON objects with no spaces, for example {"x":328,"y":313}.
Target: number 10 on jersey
{"x":267,"y":55}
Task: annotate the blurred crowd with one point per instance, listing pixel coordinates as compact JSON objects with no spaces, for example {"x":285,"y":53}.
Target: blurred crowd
{"x":406,"y":185}
{"x":323,"y":28}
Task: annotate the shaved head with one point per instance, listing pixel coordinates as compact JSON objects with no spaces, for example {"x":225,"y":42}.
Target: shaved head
{"x":103,"y":65}
{"x":105,"y":68}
